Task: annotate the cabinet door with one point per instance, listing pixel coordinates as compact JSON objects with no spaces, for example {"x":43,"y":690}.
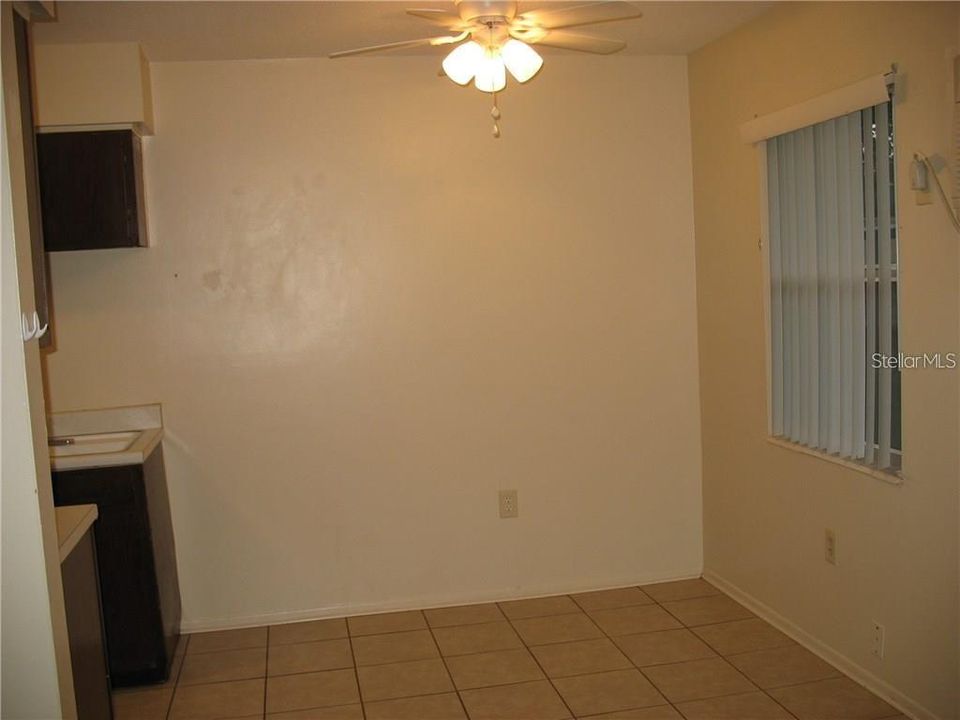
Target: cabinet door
{"x":81,"y":598}
{"x":129,"y":588}
{"x":88,"y":189}
{"x":164,"y":548}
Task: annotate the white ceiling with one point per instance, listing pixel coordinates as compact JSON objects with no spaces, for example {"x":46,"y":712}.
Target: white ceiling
{"x":171,"y":31}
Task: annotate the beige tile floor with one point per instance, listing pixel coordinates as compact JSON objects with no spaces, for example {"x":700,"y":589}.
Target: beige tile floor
{"x":658,"y":652}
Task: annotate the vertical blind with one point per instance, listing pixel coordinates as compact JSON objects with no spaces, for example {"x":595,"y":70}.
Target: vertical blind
{"x":832,"y":285}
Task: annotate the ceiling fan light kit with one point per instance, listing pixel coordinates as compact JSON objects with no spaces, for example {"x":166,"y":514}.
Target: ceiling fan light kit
{"x":491,"y":73}
{"x":498,"y":38}
{"x":462,"y":62}
{"x":487,"y":66}
{"x":521,"y":60}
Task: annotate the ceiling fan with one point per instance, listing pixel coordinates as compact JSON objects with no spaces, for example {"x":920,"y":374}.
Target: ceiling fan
{"x":493,"y":37}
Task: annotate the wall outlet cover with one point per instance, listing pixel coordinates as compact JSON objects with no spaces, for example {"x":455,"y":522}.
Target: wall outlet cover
{"x":830,"y":546}
{"x":508,"y":504}
{"x":879,"y":640}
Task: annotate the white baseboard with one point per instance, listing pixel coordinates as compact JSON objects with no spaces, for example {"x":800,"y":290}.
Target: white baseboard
{"x":419,"y":603}
{"x":874,"y":684}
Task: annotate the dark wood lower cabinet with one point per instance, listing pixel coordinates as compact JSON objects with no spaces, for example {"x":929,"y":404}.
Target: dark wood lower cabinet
{"x":137,"y":561}
{"x":81,"y":597}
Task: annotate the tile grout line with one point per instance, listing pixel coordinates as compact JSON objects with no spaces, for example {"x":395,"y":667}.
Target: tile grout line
{"x":653,"y":601}
{"x":523,"y":642}
{"x":356,"y":671}
{"x":689,"y":629}
{"x":266,"y":672}
{"x":401,"y":662}
{"x":414,"y":697}
{"x":446,"y":667}
{"x":314,"y":707}
{"x":767,"y":649}
{"x":659,"y":604}
{"x":840,"y":676}
{"x":510,"y":622}
{"x":716,"y":697}
{"x":611,"y":639}
{"x":176,"y":682}
{"x":720,"y":652}
{"x":230,"y":649}
{"x":667,"y":611}
{"x":683,"y":626}
{"x":727,"y":655}
{"x":441,"y":627}
{"x":729,"y":695}
{"x":778,"y":703}
{"x":537,"y":661}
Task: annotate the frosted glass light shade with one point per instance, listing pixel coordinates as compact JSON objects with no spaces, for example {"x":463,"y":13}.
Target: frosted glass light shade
{"x":521,"y":60}
{"x":491,"y":72}
{"x":463,"y":61}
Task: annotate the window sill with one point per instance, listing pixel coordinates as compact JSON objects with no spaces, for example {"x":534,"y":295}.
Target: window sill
{"x":891,"y":478}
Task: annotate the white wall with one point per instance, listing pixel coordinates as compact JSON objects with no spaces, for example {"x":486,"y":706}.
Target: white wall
{"x":27,"y":657}
{"x":364,"y":316}
{"x":35,"y":672}
{"x":766,"y":507}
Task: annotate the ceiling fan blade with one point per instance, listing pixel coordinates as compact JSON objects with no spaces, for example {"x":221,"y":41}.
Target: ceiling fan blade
{"x":575,"y":41}
{"x":597,"y":12}
{"x":440,"y":17}
{"x":421,"y":42}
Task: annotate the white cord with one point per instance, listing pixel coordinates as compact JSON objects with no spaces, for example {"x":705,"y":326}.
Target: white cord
{"x":943,"y":196}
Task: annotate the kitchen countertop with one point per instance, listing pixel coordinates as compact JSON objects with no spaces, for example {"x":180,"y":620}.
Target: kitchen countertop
{"x":73,"y":521}
{"x":147,"y":420}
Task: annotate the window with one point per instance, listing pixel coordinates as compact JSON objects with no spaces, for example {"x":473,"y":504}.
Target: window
{"x":835,"y":384}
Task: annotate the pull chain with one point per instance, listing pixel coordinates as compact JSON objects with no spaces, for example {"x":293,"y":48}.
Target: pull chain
{"x":495,"y":111}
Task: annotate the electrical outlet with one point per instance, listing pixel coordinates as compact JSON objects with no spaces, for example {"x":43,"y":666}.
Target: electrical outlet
{"x":879,"y":634}
{"x":508,"y":504}
{"x":830,"y":546}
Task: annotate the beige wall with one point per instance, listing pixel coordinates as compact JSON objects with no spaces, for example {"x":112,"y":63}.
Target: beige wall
{"x":766,"y":507}
{"x":364,"y":316}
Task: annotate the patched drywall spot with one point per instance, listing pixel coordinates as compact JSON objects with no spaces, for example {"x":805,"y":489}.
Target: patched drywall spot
{"x":282,"y":276}
{"x":212,"y":280}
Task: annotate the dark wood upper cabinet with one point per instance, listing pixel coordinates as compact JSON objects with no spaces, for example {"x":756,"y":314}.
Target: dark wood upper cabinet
{"x":91,"y":190}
